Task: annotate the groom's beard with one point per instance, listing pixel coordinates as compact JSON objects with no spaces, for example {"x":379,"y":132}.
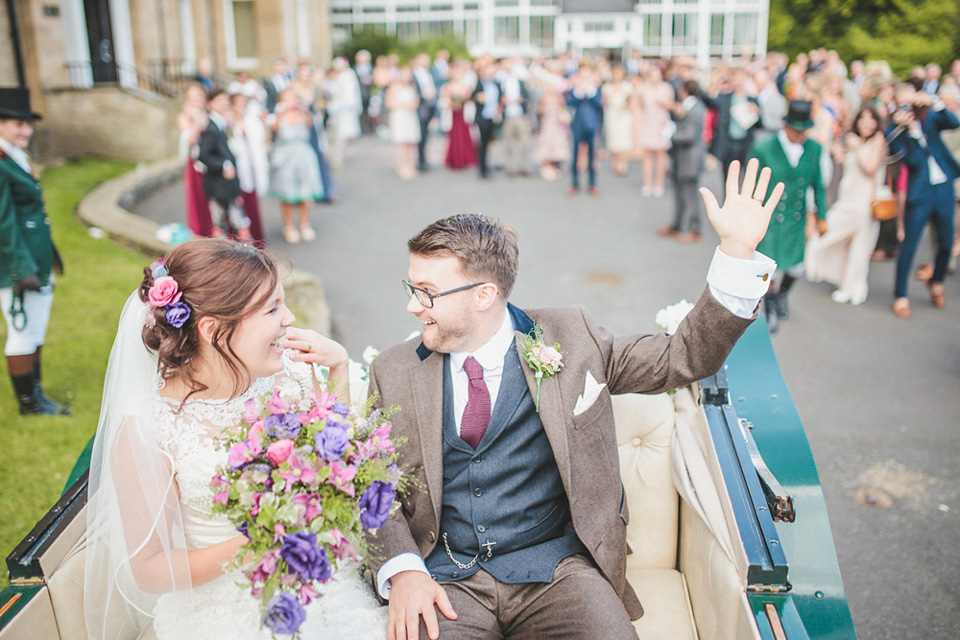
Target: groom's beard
{"x":447,"y":336}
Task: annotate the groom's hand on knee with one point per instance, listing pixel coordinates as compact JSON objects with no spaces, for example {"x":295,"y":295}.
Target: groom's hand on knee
{"x":413,"y":594}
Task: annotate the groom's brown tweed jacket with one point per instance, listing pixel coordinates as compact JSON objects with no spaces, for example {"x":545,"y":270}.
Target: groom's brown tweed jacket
{"x":585,"y":446}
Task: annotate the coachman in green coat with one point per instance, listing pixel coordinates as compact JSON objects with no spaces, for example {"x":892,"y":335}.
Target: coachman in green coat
{"x":27,"y":256}
{"x":794,"y":161}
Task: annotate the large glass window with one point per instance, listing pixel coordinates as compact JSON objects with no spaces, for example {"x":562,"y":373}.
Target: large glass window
{"x":744,"y":28}
{"x":408,"y":30}
{"x":716,"y":29}
{"x":651,"y":29}
{"x":471,"y":32}
{"x":684,"y":30}
{"x":506,"y":30}
{"x":541,"y":31}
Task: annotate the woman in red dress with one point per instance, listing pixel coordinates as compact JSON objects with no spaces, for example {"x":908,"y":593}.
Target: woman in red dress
{"x":192,"y":121}
{"x":461,"y":152}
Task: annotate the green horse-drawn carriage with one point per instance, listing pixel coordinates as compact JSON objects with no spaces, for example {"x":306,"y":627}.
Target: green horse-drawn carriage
{"x":730,"y":537}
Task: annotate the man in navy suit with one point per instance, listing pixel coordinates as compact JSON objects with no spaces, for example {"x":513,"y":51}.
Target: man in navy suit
{"x":486,"y":97}
{"x":427,"y":91}
{"x":915,"y":134}
{"x":585,"y":100}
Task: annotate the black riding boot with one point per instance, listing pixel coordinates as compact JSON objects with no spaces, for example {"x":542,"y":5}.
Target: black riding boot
{"x":782,"y":309}
{"x":47,"y":404}
{"x":24,"y":386}
{"x":770,"y":308}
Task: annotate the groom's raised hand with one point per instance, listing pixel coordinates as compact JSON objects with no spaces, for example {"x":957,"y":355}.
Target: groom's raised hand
{"x":413,"y":594}
{"x":743,"y":219}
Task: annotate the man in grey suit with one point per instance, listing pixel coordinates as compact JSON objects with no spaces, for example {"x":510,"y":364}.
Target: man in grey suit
{"x":689,"y":155}
{"x":514,"y":525}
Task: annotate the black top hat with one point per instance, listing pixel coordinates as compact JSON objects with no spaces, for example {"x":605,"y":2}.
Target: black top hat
{"x":798,"y":116}
{"x":15,"y":103}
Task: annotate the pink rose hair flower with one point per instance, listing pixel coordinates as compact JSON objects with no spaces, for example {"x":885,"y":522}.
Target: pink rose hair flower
{"x":165,"y":291}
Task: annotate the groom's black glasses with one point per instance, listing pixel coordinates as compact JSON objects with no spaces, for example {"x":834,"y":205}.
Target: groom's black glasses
{"x":426,"y":299}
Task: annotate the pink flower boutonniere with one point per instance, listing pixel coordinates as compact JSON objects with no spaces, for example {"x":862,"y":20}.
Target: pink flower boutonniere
{"x":544,"y":360}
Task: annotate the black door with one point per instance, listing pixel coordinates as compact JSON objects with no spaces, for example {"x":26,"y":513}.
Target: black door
{"x":100,"y":36}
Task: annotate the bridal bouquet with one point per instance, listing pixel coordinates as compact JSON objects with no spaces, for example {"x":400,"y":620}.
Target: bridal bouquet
{"x":305,"y":476}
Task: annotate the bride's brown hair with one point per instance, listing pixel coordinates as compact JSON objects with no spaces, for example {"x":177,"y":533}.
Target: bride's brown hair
{"x":219,"y":278}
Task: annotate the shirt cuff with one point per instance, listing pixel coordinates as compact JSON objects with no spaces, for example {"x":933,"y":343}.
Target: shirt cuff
{"x":740,"y":284}
{"x":393,"y":566}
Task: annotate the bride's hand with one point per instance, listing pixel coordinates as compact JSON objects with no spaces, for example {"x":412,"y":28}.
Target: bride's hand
{"x":314,"y":348}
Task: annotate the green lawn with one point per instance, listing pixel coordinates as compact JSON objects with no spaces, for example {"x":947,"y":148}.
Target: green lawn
{"x":39,"y":452}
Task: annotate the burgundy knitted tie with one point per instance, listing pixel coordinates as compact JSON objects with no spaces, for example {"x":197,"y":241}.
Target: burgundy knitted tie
{"x":476,"y":415}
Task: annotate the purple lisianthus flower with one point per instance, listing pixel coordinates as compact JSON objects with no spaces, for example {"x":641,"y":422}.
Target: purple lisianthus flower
{"x":284,"y":614}
{"x":243,"y":529}
{"x":340,"y":408}
{"x":332,"y":441}
{"x":177,"y":314}
{"x":282,"y":425}
{"x":304,"y":557}
{"x":375,"y":504}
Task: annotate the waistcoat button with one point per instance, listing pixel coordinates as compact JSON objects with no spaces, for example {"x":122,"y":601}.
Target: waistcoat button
{"x":455,"y":575}
{"x":478,"y":492}
{"x":481,"y":528}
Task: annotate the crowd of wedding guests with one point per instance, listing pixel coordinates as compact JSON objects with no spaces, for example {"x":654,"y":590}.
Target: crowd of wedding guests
{"x":283,"y":137}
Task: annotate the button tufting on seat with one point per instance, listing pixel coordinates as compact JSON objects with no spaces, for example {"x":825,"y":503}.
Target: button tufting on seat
{"x":637,"y":442}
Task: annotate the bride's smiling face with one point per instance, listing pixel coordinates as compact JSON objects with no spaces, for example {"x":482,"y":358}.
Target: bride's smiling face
{"x":256,"y":341}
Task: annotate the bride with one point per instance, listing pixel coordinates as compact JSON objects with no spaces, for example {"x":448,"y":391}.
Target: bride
{"x":178,"y":373}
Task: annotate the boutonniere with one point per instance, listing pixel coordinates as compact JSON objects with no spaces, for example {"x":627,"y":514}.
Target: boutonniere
{"x":545,"y":361}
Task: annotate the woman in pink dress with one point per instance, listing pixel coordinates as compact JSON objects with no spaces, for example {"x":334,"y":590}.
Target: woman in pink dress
{"x":461,"y":152}
{"x":657,"y":100}
{"x":192,"y":121}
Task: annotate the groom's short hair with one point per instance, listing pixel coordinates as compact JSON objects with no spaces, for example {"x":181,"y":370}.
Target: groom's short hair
{"x":486,"y":248}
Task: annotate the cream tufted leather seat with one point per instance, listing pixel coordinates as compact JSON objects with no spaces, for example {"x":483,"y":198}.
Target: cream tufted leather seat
{"x":686,"y":579}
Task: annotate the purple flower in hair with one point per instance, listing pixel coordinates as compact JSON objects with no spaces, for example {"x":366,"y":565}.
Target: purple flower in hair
{"x":177,"y":314}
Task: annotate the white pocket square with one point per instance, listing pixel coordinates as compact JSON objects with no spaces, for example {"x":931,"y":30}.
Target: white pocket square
{"x":591,"y":391}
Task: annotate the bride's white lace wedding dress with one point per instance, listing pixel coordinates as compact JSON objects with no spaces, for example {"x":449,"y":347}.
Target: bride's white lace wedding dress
{"x":222,"y":608}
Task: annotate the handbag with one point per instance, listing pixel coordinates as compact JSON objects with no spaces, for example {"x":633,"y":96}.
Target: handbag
{"x":884,"y":204}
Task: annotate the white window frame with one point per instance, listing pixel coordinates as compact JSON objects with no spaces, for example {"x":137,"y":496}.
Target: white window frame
{"x":235,"y":63}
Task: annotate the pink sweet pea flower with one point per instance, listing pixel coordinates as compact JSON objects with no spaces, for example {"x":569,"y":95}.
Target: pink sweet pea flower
{"x":266,"y":568}
{"x":342,"y":478}
{"x":279,"y":451}
{"x":300,"y":470}
{"x":307,"y":593}
{"x":255,"y":509}
{"x":341,"y":546}
{"x":380,"y":438}
{"x":239,"y":455}
{"x":221,"y":497}
{"x":278,"y":404}
{"x":164,"y":291}
{"x":308,"y":507}
{"x":251,"y":410}
{"x":279,"y":532}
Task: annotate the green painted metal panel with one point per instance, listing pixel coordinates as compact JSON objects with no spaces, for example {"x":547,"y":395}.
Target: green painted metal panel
{"x":759,"y":394}
{"x":11,"y":592}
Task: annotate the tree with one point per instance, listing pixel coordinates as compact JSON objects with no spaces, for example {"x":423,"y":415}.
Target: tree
{"x":905,"y":33}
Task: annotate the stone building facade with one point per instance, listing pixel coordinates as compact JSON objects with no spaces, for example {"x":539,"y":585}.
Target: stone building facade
{"x":107,"y":74}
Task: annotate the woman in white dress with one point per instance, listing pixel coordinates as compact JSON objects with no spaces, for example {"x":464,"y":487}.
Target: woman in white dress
{"x":618,"y":119}
{"x":842,"y":255}
{"x":402,"y":102}
{"x":178,"y":374}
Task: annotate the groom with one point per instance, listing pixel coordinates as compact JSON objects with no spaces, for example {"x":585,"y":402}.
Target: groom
{"x":515,"y":523}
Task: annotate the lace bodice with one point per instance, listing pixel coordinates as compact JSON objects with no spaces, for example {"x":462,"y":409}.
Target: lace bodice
{"x":221,"y":609}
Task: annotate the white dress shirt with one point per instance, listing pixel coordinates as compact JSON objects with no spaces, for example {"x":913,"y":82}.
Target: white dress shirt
{"x":793,"y":150}
{"x":16,"y":154}
{"x":736,"y":284}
